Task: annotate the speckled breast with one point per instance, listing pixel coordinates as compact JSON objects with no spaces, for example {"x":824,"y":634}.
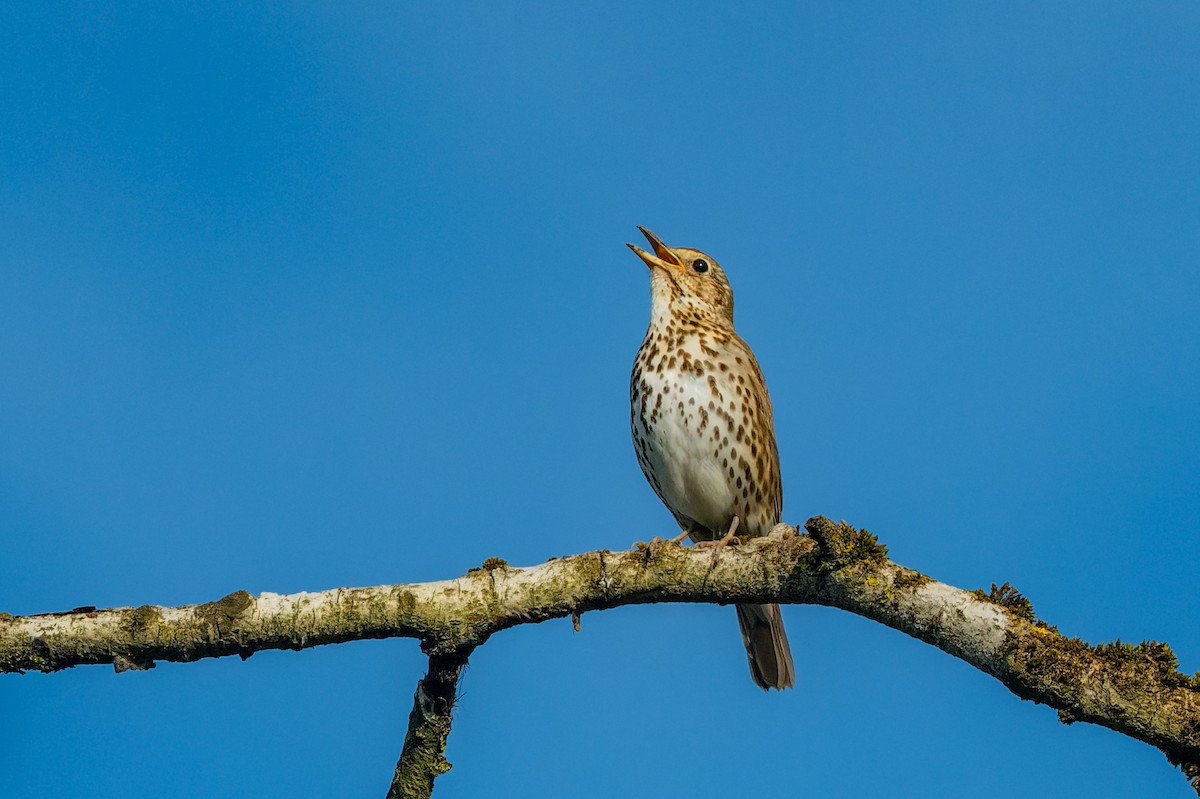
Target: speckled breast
{"x":703,"y":432}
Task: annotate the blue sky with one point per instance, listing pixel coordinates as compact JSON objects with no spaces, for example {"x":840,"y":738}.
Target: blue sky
{"x":300,"y":297}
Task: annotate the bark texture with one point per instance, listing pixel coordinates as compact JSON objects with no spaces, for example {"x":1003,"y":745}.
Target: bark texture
{"x":423,"y":758}
{"x":1133,"y":689}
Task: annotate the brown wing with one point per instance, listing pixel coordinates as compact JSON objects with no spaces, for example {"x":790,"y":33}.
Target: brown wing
{"x":769,"y":491}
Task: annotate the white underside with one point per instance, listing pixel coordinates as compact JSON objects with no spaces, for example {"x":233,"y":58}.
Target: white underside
{"x":692,"y":481}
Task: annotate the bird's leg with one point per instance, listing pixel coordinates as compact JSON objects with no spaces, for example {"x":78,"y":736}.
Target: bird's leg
{"x":678,"y":540}
{"x":729,"y":539}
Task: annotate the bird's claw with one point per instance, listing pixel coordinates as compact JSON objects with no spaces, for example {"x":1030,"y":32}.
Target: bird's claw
{"x":642,"y":546}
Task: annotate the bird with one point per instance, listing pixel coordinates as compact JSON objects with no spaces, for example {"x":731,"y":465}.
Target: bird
{"x":703,"y":429}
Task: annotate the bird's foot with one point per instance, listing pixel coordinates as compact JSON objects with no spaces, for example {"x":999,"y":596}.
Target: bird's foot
{"x":727,"y":540}
{"x":642,"y":546}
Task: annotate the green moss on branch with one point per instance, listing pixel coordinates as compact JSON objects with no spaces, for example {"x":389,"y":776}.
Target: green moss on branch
{"x":1008,"y":597}
{"x":841,"y":545}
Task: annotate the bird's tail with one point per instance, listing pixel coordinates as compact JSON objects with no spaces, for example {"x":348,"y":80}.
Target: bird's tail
{"x":766,"y":646}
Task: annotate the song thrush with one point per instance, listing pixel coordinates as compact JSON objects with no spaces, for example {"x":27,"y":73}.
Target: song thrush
{"x":703,"y":429}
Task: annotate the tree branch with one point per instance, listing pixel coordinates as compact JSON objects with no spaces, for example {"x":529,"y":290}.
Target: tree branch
{"x":423,"y":758}
{"x":1135,"y":690}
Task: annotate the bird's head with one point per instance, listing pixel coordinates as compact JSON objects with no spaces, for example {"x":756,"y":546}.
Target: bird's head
{"x":682,"y":278}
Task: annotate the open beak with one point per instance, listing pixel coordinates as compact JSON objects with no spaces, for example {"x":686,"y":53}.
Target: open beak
{"x":663,"y":256}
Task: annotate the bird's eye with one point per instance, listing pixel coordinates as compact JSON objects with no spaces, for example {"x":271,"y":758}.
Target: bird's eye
{"x":700,"y":265}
